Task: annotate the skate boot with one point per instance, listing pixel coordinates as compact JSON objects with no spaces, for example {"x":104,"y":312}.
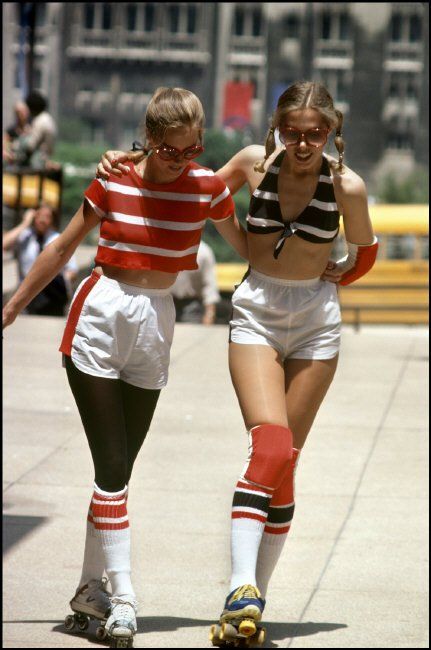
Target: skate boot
{"x":90,"y":602}
{"x":238,"y":621}
{"x":121,"y":625}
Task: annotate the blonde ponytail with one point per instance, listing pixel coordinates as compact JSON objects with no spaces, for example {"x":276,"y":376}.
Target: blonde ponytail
{"x":269,"y":148}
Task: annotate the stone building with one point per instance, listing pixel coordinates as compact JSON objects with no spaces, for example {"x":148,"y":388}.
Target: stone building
{"x":102,"y":61}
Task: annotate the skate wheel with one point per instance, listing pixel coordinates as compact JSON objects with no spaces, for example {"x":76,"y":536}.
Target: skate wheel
{"x":83,"y":623}
{"x":247,"y":627}
{"x":261,"y":636}
{"x":214,"y":635}
{"x":228,"y":632}
{"x":69,"y":622}
{"x":121,"y":642}
{"x":101,"y":633}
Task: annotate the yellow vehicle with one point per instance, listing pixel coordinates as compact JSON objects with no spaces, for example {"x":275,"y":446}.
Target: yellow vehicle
{"x":396,"y":288}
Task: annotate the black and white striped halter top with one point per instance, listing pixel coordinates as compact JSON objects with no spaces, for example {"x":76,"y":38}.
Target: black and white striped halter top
{"x":318,"y":223}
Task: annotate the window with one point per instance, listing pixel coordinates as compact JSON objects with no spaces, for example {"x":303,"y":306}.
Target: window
{"x":396,"y":27}
{"x":291,"y":27}
{"x":415,"y":29}
{"x":174,"y":18}
{"x":191,"y":19}
{"x":131,"y":17}
{"x":149,"y":17}
{"x":106,"y":16}
{"x":326,"y":26}
{"x":89,"y":15}
{"x":405,"y":28}
{"x":239,"y":22}
{"x":256,"y":22}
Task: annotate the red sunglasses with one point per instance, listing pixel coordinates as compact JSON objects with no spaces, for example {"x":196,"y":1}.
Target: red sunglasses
{"x":166,"y":152}
{"x":313,"y":137}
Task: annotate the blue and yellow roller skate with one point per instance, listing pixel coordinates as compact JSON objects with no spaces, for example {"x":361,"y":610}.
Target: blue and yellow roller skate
{"x":238,"y":625}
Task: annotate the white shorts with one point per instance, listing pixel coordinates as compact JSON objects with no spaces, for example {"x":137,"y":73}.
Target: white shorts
{"x":120,"y":331}
{"x":299,"y":318}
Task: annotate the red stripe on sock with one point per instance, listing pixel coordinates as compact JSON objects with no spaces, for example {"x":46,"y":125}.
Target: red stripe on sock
{"x":248,"y":515}
{"x":105,"y":526}
{"x":75,"y":312}
{"x":276,"y":531}
{"x":254,"y":488}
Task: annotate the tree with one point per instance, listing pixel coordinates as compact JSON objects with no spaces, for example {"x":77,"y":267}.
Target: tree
{"x":413,"y":189}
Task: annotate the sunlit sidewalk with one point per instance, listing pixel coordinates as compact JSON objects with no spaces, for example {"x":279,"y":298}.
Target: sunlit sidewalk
{"x":354,"y":570}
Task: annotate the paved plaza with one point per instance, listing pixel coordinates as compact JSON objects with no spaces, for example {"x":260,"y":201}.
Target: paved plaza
{"x":354,"y":570}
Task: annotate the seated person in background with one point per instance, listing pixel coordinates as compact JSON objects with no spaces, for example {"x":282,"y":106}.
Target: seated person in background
{"x":27,"y":240}
{"x":35,"y":147}
{"x":195,"y":293}
{"x":19,"y":128}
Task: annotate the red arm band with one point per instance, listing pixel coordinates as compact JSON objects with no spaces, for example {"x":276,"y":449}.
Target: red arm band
{"x":358,"y":262}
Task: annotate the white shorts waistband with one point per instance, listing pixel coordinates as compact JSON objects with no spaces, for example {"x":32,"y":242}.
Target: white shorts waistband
{"x":282,"y":282}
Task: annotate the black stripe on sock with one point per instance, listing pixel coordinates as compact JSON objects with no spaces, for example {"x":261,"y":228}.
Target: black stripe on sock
{"x":251,"y":501}
{"x":280,"y":515}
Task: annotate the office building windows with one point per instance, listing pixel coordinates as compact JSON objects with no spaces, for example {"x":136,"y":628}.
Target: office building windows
{"x":174,"y":19}
{"x":239,"y":21}
{"x":131,"y":16}
{"x":257,"y":22}
{"x":291,"y":26}
{"x":106,"y":16}
{"x":149,"y":16}
{"x":89,"y":15}
{"x":191,"y":19}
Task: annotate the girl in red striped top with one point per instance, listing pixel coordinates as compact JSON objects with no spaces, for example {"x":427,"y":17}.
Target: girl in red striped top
{"x":120,"y":325}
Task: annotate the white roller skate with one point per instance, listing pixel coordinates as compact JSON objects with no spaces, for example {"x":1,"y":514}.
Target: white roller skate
{"x":121,"y":624}
{"x":90,"y":602}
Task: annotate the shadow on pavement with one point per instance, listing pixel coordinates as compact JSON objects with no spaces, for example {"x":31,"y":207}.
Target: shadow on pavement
{"x":16,"y":527}
{"x":146,"y":624}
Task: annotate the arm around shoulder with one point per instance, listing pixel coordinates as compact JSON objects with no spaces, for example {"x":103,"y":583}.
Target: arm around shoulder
{"x":239,"y":168}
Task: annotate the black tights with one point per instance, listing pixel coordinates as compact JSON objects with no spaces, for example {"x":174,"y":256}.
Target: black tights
{"x":116,"y":417}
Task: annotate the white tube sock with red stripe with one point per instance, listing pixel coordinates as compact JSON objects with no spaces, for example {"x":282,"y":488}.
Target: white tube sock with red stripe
{"x":280,"y":515}
{"x":94,"y":562}
{"x":112,"y":525}
{"x":249,"y":513}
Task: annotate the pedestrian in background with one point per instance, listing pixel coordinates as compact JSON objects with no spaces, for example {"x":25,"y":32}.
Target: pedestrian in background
{"x":27,"y":240}
{"x":195,"y":292}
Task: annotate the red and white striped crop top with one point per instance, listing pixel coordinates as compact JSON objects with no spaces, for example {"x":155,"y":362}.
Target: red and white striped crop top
{"x":152,"y":226}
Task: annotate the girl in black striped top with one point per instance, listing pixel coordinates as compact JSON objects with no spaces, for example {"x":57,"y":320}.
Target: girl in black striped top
{"x":285,"y":328}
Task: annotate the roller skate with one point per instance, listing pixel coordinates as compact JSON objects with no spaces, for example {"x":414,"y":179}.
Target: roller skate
{"x":91,"y":602}
{"x":238,"y":622}
{"x":121,"y":624}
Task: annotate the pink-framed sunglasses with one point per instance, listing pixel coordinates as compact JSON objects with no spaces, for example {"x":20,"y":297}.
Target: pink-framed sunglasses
{"x":166,"y":152}
{"x":313,"y":137}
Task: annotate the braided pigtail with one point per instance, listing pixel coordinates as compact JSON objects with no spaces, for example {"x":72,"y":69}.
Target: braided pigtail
{"x":339,"y":142}
{"x":269,"y":148}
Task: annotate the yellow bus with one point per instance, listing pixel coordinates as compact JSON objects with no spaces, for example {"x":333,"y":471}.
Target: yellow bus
{"x":396,"y":288}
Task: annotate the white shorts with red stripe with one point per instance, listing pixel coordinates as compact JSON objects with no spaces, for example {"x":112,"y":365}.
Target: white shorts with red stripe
{"x":120,"y":331}
{"x":298,"y":318}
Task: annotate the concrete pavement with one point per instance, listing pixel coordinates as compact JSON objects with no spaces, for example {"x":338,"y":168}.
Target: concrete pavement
{"x":354,"y":570}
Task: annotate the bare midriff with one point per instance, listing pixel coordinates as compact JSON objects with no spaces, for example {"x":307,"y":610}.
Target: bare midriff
{"x":137,"y":277}
{"x":298,"y":260}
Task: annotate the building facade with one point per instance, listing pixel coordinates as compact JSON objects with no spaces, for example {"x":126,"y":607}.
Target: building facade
{"x":101,"y":62}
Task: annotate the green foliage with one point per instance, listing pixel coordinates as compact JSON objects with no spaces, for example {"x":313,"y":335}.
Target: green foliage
{"x":412,"y":189}
{"x":220,"y":146}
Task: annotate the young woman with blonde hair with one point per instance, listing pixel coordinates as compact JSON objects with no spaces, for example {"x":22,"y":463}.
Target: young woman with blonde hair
{"x":285,"y":328}
{"x":120,"y":325}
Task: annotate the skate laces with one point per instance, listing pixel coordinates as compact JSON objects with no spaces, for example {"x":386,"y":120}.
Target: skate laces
{"x":123,"y":608}
{"x":247,"y":591}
